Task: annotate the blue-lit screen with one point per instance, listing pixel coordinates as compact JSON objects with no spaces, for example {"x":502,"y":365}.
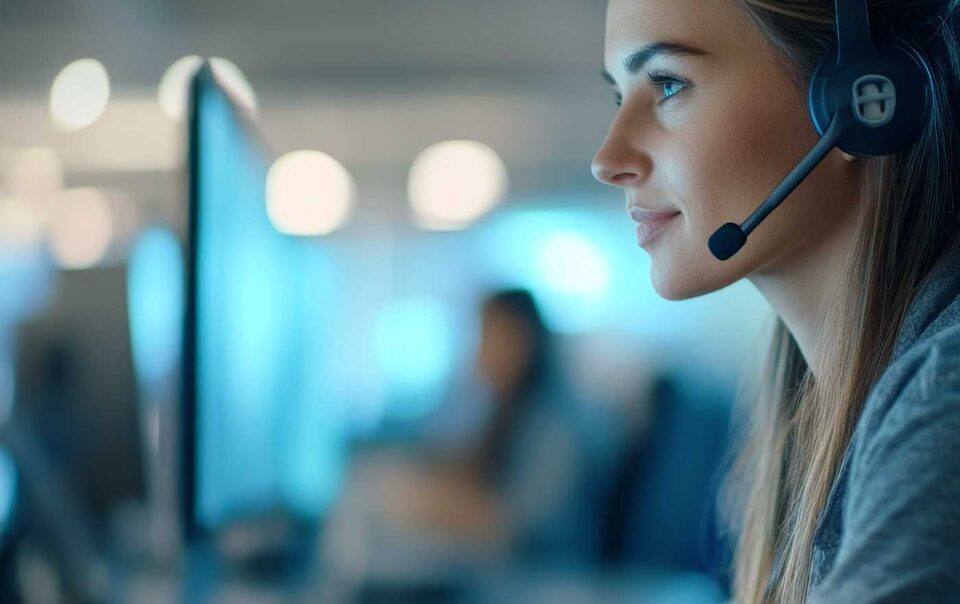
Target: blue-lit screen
{"x":265,"y":437}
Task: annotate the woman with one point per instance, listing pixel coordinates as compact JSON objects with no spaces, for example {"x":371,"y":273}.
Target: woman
{"x":536,"y":453}
{"x":846,"y":486}
{"x":523,"y":488}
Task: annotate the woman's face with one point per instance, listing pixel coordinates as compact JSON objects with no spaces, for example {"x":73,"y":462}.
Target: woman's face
{"x":504,"y":350}
{"x":713,"y":142}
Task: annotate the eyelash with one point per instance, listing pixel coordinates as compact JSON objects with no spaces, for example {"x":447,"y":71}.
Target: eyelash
{"x":658,"y":79}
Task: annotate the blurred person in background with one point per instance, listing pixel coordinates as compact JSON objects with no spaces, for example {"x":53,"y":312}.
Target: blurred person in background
{"x":518,"y":495}
{"x":846,"y":488}
{"x":524,"y":485}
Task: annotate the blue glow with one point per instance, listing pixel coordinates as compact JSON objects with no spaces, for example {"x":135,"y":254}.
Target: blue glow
{"x":570,"y":263}
{"x":415,"y":348}
{"x":8,"y":489}
{"x":563,"y":256}
{"x":155,"y":294}
{"x":26,"y":280}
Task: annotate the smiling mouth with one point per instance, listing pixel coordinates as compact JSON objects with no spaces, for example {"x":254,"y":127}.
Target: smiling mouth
{"x":650,"y":229}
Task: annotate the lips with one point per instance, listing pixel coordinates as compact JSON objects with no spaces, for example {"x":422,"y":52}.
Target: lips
{"x":641,"y":215}
{"x":650,"y":223}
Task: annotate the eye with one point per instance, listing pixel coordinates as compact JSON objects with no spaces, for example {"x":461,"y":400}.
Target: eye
{"x":664,"y":82}
{"x":669,"y":86}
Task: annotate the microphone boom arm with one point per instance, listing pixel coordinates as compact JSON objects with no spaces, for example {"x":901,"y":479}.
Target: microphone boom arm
{"x":730,"y":238}
{"x":810,"y":161}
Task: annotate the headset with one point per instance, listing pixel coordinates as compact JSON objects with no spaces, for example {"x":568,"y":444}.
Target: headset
{"x":865,"y":98}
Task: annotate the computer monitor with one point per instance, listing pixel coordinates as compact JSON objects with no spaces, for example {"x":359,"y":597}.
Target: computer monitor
{"x":252,"y":440}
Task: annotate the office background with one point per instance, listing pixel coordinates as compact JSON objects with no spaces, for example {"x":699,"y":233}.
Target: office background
{"x":443,"y":149}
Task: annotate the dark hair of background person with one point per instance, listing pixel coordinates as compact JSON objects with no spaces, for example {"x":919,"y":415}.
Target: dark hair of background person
{"x":518,"y":306}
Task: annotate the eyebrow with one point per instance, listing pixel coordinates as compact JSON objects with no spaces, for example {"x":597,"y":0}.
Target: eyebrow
{"x":636,"y":61}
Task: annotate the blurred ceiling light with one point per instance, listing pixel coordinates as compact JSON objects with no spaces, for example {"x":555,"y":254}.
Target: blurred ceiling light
{"x":454,"y":183}
{"x":79,"y":94}
{"x":234,"y":81}
{"x":174,"y":85}
{"x":34,"y":173}
{"x":172,"y":93}
{"x":79,"y":228}
{"x":20,"y":226}
{"x":309,"y":193}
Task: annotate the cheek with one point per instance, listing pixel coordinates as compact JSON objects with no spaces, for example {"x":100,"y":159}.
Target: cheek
{"x":720,"y":170}
{"x":729,"y":166}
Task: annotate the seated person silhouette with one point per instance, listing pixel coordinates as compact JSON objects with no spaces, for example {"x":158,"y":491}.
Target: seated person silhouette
{"x":518,"y":495}
{"x":522,"y":488}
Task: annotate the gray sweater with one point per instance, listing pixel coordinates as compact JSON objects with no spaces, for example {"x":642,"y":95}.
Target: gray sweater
{"x":890,"y":531}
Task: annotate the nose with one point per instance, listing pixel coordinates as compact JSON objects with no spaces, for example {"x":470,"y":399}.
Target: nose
{"x":618,"y":162}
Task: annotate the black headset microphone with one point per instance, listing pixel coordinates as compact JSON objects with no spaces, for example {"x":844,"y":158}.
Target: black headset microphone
{"x":865,"y":98}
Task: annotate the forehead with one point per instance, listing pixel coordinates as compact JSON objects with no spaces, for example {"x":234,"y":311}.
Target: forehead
{"x":720,"y":27}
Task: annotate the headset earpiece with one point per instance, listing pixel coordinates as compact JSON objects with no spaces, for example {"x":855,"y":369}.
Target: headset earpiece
{"x":889,"y":95}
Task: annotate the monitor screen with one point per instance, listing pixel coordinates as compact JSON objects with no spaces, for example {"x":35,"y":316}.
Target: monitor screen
{"x":254,"y":437}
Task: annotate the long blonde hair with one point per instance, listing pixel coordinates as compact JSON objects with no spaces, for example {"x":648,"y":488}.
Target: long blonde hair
{"x":788,"y":454}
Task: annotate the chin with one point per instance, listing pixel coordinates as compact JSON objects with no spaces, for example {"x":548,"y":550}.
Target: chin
{"x":671,"y":290}
{"x":683,"y":281}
